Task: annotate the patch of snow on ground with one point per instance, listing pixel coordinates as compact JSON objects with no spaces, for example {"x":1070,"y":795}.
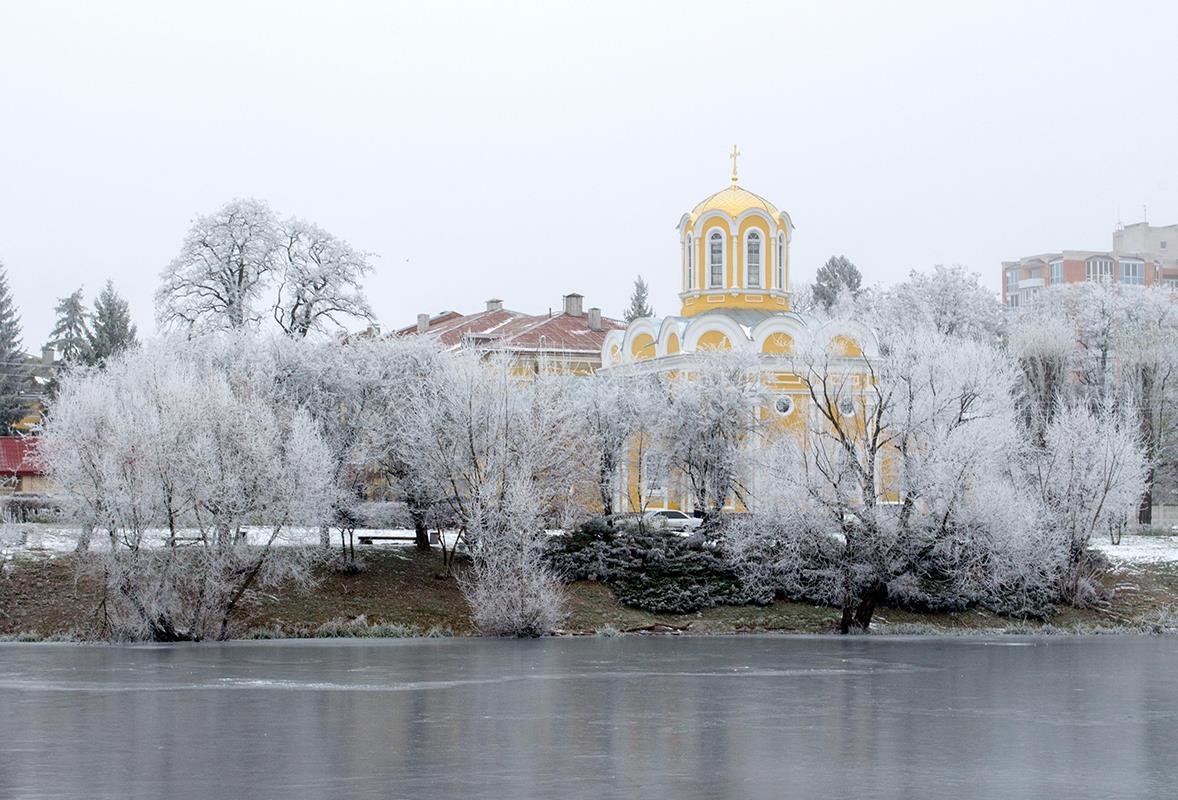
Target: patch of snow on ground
{"x":44,"y":539}
{"x":1135,"y":549}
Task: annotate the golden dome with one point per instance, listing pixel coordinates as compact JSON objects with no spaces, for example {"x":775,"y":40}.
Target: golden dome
{"x":734,"y":201}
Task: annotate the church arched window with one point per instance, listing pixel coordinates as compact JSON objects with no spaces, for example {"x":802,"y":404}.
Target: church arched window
{"x":781,"y":261}
{"x":752,"y":260}
{"x":716,"y":259}
{"x":689,"y":264}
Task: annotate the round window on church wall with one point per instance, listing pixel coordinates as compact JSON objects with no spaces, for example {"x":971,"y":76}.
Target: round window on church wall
{"x":846,"y":407}
{"x":784,"y":405}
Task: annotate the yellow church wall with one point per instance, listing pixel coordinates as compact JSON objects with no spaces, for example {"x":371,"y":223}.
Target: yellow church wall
{"x":672,"y":344}
{"x":732,"y":266}
{"x":525,"y":367}
{"x":793,"y":423}
{"x":710,"y":301}
{"x":889,"y":473}
{"x":714,"y":340}
{"x":700,"y":267}
{"x":720,"y":225}
{"x":845,"y":346}
{"x":643,"y":346}
{"x":778,"y":344}
{"x":786,"y":276}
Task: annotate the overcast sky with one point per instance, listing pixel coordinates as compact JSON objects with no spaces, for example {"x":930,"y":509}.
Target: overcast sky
{"x":527,"y":150}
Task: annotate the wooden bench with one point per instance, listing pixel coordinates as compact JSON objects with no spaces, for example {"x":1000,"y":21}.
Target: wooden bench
{"x":370,"y":538}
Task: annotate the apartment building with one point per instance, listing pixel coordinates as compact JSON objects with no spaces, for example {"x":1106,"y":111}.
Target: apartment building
{"x":1142,"y":255}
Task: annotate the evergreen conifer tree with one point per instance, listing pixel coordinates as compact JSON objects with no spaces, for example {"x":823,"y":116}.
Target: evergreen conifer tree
{"x":838,"y":273}
{"x":14,"y":372}
{"x":639,"y":305}
{"x":70,"y":336}
{"x":111,"y":330}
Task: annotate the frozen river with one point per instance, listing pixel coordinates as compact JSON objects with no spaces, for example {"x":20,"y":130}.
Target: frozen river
{"x":629,"y":717}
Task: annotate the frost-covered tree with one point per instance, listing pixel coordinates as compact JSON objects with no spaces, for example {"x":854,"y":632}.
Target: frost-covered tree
{"x":710,"y":418}
{"x":838,"y":274}
{"x":803,"y":301}
{"x":225,"y":265}
{"x":240,"y":265}
{"x":1098,"y":345}
{"x":1091,"y":473}
{"x":885,"y":496}
{"x":639,"y":302}
{"x":320,"y":281}
{"x":1147,"y":380}
{"x":111,"y":330}
{"x":71,"y":331}
{"x":619,"y":413}
{"x":14,"y":374}
{"x":186,"y":438}
{"x":1042,"y":345}
{"x":368,"y":388}
{"x":949,"y":300}
{"x":501,"y":451}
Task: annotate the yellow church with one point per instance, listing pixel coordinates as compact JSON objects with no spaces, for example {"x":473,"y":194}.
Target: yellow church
{"x":735,"y":275}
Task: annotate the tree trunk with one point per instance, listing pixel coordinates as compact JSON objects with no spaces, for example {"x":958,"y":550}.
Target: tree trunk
{"x":420,"y":531}
{"x":84,"y":539}
{"x":324,"y":537}
{"x":605,"y":488}
{"x":858,"y":616}
{"x":1145,"y":510}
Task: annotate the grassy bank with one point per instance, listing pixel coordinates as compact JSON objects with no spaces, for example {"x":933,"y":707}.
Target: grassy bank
{"x":401,"y":592}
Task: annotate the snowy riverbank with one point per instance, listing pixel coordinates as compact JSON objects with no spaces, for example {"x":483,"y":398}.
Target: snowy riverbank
{"x":48,"y":539}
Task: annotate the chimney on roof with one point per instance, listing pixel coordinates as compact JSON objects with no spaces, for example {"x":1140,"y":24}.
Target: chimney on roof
{"x":494,"y":304}
{"x":572,"y":304}
{"x":595,"y":319}
{"x":47,"y":355}
{"x":422,"y":323}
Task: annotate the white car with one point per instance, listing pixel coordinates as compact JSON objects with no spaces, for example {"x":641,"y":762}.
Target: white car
{"x":672,"y":520}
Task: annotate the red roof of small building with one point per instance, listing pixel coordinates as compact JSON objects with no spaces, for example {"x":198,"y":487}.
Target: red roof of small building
{"x":18,"y":456}
{"x":503,"y":329}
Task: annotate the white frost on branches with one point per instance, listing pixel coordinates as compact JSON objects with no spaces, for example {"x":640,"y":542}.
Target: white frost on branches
{"x":321,"y":280}
{"x":505,"y":454}
{"x":185,"y":436}
{"x":223,"y":268}
{"x":240,"y":265}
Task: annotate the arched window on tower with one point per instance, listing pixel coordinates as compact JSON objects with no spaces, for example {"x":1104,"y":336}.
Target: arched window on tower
{"x":752,"y":260}
{"x":781,"y":261}
{"x":689,"y":265}
{"x":716,"y":259}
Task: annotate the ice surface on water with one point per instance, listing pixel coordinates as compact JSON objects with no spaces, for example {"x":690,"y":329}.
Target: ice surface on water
{"x":649,"y":717}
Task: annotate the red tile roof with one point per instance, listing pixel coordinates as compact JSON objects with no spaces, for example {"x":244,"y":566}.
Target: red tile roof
{"x":18,"y":456}
{"x":503,"y":329}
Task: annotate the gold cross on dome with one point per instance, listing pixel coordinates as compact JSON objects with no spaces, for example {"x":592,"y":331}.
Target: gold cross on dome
{"x":734,"y":155}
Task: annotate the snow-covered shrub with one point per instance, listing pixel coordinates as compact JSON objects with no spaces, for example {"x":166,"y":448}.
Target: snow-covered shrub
{"x":656,"y":571}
